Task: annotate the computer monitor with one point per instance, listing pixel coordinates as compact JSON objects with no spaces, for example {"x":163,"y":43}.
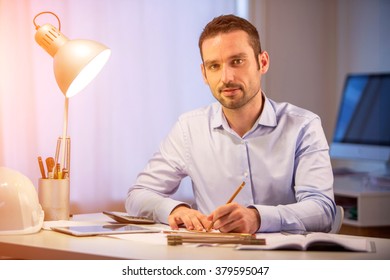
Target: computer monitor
{"x":362,"y":129}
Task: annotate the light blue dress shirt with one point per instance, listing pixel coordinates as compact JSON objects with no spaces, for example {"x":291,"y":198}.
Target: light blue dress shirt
{"x":284,"y":160}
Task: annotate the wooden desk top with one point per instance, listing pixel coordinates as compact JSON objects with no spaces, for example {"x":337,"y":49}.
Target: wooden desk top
{"x":53,"y":245}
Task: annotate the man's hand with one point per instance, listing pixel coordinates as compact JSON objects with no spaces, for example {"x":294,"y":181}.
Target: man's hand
{"x":233,"y":217}
{"x":192,"y":219}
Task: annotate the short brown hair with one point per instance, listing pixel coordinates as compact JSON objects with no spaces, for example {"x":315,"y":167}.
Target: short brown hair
{"x":229,"y":23}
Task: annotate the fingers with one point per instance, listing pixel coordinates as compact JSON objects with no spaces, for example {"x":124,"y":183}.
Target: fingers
{"x":233,"y":217}
{"x":174,"y":222}
{"x":223,"y":217}
{"x":190,"y":218}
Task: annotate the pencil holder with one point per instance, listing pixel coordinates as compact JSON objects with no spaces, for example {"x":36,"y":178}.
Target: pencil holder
{"x":54,"y":197}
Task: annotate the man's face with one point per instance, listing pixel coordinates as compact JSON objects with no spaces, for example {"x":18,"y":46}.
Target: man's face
{"x":231,"y":70}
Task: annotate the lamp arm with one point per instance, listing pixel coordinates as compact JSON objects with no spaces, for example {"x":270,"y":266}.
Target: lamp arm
{"x":64,"y":133}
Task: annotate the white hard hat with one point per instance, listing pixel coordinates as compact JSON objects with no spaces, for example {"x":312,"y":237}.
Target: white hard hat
{"x":20,"y":211}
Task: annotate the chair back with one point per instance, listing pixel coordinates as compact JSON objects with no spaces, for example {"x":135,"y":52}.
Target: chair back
{"x":338,"y":220}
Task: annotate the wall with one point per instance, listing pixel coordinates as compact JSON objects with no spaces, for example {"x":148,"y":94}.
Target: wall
{"x":363,"y":37}
{"x":313,"y":44}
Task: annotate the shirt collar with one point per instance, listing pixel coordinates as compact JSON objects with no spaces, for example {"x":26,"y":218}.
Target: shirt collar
{"x":217,"y":118}
{"x":267,"y":117}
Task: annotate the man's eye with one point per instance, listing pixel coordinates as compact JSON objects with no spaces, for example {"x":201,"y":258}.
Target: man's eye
{"x":237,"y":61}
{"x":214,"y":67}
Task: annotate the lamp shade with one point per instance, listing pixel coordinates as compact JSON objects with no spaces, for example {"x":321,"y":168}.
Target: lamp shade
{"x":76,"y":62}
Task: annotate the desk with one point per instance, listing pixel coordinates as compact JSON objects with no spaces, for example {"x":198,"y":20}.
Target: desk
{"x":47,"y":244}
{"x":382,"y":231}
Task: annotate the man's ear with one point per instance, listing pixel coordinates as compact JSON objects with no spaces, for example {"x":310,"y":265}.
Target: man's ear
{"x":263,"y":62}
{"x":204,"y":74}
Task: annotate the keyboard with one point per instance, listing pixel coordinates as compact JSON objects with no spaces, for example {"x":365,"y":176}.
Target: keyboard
{"x":123,"y":218}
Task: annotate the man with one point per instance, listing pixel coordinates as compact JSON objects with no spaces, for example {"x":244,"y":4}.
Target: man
{"x":277,"y":149}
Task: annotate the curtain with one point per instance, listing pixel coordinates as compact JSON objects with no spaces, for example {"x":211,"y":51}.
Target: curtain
{"x":116,"y":122}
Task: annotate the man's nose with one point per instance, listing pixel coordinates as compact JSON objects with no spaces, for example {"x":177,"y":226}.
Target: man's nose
{"x":227,"y":74}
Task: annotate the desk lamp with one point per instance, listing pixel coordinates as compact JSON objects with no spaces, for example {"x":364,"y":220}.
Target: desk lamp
{"x":76,"y":63}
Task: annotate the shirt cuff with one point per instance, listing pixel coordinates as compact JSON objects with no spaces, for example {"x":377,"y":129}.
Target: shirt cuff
{"x":270,"y":220}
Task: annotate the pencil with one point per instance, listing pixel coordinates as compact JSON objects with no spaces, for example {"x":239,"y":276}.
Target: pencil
{"x":57,"y":149}
{"x":236,"y":192}
{"x":229,"y":201}
{"x":41,"y":167}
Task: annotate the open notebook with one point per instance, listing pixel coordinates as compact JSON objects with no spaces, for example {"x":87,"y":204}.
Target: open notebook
{"x":312,"y":241}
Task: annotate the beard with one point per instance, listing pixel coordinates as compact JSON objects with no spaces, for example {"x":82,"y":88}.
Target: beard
{"x":236,"y":101}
